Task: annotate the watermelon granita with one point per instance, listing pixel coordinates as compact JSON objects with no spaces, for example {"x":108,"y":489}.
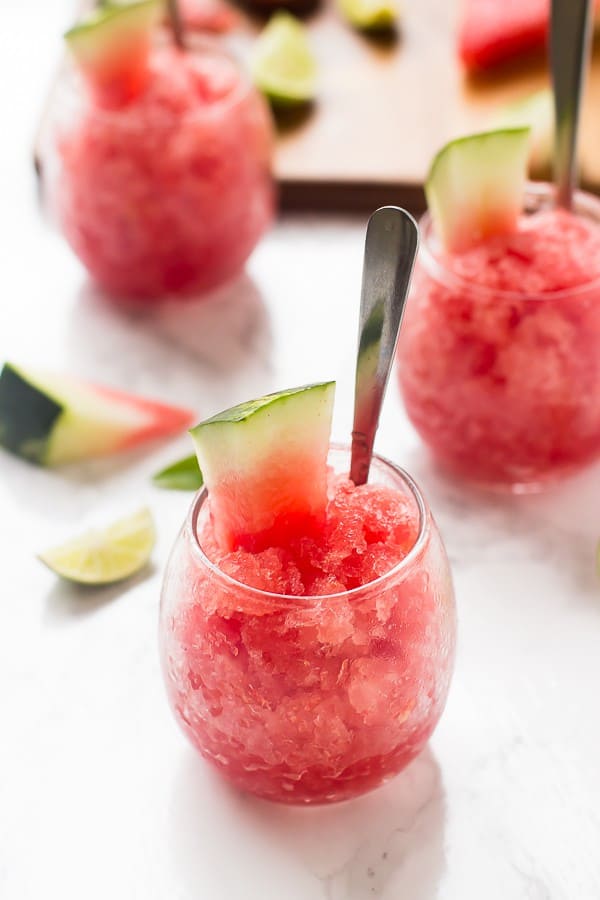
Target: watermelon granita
{"x":159,"y":174}
{"x":499,"y":359}
{"x":314,"y":667}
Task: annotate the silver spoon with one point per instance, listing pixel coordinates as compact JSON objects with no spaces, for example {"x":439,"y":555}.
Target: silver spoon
{"x":570,"y":32}
{"x":176,"y":23}
{"x":390,"y":250}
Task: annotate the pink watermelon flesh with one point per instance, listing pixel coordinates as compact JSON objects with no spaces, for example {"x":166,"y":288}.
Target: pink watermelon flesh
{"x":495,"y":31}
{"x":112,"y":46}
{"x":264,"y":464}
{"x":313,"y":701}
{"x":151,"y":420}
{"x":362,"y":533}
{"x":52,"y":419}
{"x":121,"y":75}
{"x":273,"y":505}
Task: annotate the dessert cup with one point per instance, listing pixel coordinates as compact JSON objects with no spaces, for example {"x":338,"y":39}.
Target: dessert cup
{"x":310,"y":699}
{"x":168,"y":194}
{"x":504,"y":385}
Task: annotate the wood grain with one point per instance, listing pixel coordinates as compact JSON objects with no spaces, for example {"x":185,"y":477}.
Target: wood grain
{"x":384,"y":110}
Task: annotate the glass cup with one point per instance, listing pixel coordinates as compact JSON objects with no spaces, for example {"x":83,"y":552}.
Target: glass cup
{"x":168,"y":194}
{"x":503,"y":386}
{"x":310,"y":699}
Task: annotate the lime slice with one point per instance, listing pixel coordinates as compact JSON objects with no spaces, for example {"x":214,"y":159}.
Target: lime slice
{"x":283,"y":65}
{"x":184,"y":475}
{"x":103,"y":557}
{"x":369,"y":15}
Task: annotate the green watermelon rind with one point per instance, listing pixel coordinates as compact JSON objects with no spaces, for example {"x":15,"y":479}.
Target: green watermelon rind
{"x":52,"y":419}
{"x":475,"y":185}
{"x":241,"y":436}
{"x":246,"y":410}
{"x":91,"y":33}
{"x":28,"y":415}
{"x":265,"y":461}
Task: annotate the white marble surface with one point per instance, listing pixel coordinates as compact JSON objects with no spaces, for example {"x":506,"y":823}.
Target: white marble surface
{"x":100,"y":796}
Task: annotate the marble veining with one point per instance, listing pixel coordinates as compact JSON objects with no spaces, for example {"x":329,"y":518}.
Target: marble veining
{"x":409,"y":857}
{"x":99,"y":794}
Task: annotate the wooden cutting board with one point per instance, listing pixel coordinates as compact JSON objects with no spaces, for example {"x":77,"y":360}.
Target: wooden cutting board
{"x":384,"y":110}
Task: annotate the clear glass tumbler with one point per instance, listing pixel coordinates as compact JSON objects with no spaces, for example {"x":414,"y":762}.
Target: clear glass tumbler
{"x":503,"y":386}
{"x":310,"y":699}
{"x":168,"y":194}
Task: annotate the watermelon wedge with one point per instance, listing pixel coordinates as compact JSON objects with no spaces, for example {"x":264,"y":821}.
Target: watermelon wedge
{"x":53,"y":419}
{"x":492,"y":32}
{"x":264,"y":464}
{"x":111,"y":46}
{"x":475,"y":186}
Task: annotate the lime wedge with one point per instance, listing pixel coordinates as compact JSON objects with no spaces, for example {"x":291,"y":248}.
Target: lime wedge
{"x":103,"y":557}
{"x":184,"y":475}
{"x":283,"y":65}
{"x":369,"y":15}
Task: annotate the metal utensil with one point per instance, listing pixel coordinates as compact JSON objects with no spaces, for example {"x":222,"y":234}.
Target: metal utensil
{"x":390,"y":250}
{"x":570,"y":33}
{"x":176,"y":23}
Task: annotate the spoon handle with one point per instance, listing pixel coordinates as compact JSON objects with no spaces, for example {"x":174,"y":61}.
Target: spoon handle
{"x":176,"y":23}
{"x":570,"y":32}
{"x":390,"y":249}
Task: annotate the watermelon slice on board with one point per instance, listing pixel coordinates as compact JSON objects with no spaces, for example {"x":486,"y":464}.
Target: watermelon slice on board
{"x":492,"y":32}
{"x":53,"y":419}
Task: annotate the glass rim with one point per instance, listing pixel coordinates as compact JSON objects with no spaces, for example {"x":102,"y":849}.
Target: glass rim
{"x":537,"y":190}
{"x":205,"y":44}
{"x":308,"y":600}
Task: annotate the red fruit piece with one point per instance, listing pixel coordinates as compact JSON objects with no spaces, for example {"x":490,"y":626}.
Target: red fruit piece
{"x":112,"y":48}
{"x":492,"y":32}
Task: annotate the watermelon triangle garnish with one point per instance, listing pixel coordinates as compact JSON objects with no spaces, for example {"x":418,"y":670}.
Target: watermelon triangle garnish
{"x":264,"y":464}
{"x":54,"y":419}
{"x":111,"y":46}
{"x":475,"y":186}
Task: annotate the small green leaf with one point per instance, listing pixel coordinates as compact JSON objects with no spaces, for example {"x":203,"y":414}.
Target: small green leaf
{"x":184,"y":475}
